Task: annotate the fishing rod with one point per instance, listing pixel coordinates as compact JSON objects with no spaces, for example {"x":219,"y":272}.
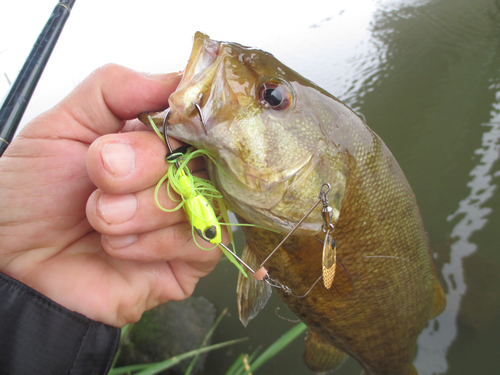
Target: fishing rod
{"x":21,"y":91}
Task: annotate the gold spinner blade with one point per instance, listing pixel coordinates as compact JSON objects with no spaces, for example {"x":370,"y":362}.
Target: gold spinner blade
{"x":329,"y":260}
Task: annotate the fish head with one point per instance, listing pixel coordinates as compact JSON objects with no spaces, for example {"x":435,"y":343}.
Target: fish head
{"x":263,"y":125}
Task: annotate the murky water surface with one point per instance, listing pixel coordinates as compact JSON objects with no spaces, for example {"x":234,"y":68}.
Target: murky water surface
{"x":426,"y":77}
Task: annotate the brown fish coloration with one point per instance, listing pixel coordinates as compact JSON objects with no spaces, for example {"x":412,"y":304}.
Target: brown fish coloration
{"x":277,"y":138}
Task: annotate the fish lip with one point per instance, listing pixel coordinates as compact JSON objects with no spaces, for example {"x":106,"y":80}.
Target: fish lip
{"x":204,"y":53}
{"x":196,"y":80}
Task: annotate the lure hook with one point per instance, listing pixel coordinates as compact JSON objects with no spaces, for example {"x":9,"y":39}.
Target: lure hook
{"x":165,"y":120}
{"x":200,"y":115}
{"x":171,"y":154}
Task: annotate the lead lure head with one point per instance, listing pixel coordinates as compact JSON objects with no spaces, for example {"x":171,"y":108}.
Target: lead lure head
{"x":203,"y":219}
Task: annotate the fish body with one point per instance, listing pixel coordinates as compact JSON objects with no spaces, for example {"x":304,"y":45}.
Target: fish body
{"x":276,"y":138}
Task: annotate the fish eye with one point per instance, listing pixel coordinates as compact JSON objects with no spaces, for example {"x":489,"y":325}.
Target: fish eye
{"x":210,"y":233}
{"x":275,"y":95}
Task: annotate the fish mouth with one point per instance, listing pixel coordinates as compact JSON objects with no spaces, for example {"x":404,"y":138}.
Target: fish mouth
{"x":204,"y":53}
{"x":196,"y":80}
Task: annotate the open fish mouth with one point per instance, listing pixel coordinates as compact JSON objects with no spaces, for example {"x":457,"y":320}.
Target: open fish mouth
{"x":204,"y":53}
{"x":203,"y":77}
{"x":188,"y":102}
{"x":198,"y":76}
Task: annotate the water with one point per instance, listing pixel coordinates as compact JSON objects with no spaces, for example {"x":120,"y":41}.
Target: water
{"x":426,"y":77}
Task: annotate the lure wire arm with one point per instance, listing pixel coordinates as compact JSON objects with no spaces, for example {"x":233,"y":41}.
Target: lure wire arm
{"x":237,"y":257}
{"x":269,"y":280}
{"x":325,"y":188}
{"x":261,"y":273}
{"x":278,"y":285}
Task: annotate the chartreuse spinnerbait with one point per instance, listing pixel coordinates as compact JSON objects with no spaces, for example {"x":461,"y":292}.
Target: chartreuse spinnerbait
{"x":197,"y":198}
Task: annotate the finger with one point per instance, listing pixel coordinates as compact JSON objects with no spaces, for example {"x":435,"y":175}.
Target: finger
{"x":166,"y":244}
{"x":130,"y":162}
{"x":114,"y":94}
{"x":133,"y":126}
{"x":104,"y":100}
{"x":122,"y":214}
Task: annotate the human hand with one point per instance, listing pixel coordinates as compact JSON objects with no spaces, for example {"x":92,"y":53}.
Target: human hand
{"x":106,"y":252}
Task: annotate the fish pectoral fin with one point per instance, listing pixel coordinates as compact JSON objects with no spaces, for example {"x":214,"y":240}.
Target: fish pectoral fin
{"x":252,"y":294}
{"x":439,"y":299}
{"x":321,"y":356}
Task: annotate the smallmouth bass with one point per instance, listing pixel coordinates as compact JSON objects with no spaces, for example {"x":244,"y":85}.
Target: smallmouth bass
{"x":276,"y":138}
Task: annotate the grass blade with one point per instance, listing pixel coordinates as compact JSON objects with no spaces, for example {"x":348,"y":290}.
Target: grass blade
{"x":123,"y":336}
{"x":238,"y":367}
{"x":155,"y":368}
{"x":278,"y":346}
{"x":205,"y":340}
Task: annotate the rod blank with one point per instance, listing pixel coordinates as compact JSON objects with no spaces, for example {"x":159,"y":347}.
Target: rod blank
{"x":21,"y":91}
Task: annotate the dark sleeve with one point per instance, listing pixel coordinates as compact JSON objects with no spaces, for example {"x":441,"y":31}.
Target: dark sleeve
{"x":38,"y":336}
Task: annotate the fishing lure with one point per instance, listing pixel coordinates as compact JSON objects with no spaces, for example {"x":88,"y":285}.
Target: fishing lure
{"x":194,"y":192}
{"x":197,"y":197}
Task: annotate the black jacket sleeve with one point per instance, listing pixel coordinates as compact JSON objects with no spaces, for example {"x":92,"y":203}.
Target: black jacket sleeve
{"x":38,"y":336}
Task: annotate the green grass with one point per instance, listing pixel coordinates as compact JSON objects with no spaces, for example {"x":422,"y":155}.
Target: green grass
{"x":245,"y":364}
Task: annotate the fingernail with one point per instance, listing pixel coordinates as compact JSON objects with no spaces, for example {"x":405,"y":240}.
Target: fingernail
{"x":118,"y":158}
{"x":163,"y":77}
{"x":119,"y":242}
{"x":117,"y":209}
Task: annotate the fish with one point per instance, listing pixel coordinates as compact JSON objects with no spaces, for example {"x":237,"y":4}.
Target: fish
{"x":276,"y":139}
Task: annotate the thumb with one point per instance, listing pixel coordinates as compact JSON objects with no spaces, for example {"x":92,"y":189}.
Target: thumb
{"x":103,"y":102}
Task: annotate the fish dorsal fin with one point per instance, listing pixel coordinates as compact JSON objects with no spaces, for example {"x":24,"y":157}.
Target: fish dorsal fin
{"x":252,"y":294}
{"x":321,"y":356}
